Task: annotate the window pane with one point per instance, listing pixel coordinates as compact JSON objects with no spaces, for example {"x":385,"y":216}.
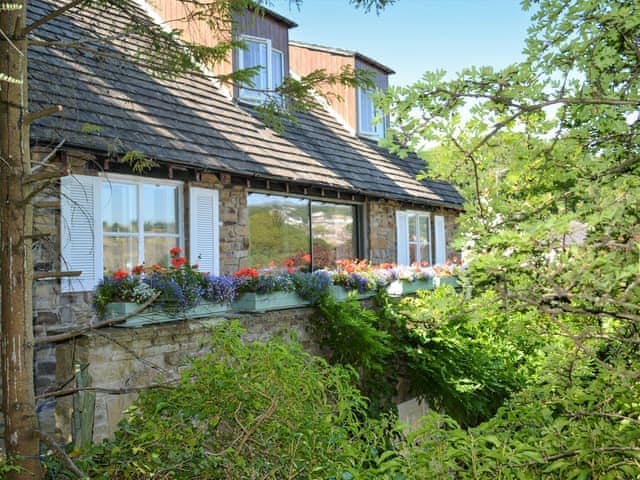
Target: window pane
{"x":333,"y":233}
{"x":256,"y":55}
{"x":120,"y":252}
{"x":424,"y":229}
{"x":278,"y":229}
{"x":156,"y":249}
{"x":365,"y":111}
{"x":119,"y":205}
{"x":160,"y":208}
{"x":276,"y":69}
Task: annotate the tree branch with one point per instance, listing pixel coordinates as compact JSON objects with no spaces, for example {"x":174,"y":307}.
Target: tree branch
{"x":94,"y":326}
{"x":56,"y":13}
{"x":43,"y":275}
{"x":61,"y":454}
{"x":32,"y":117}
{"x":112,"y":391}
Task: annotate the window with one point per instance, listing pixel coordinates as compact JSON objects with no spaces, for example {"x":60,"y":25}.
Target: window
{"x":312,"y":233}
{"x":415,"y":242}
{"x":366,"y":114}
{"x":140,"y":223}
{"x":271,"y":74}
{"x":121,"y":221}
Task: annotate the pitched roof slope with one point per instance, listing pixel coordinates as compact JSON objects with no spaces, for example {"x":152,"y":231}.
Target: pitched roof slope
{"x":188,"y":120}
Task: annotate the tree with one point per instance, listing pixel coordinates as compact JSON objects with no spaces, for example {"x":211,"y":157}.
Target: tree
{"x":547,"y":152}
{"x":166,"y":55}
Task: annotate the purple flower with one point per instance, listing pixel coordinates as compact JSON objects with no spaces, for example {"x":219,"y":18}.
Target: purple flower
{"x":220,"y":289}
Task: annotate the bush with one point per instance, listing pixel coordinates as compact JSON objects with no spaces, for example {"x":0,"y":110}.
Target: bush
{"x":258,"y":410}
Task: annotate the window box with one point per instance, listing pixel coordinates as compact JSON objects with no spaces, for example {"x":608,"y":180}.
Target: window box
{"x":399,"y":288}
{"x":153,"y":315}
{"x":453,"y":281}
{"x":264,"y":302}
{"x":340,"y":293}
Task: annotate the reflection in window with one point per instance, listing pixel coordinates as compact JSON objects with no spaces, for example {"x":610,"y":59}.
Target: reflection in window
{"x":139,"y":223}
{"x":281,"y":230}
{"x":332,"y":233}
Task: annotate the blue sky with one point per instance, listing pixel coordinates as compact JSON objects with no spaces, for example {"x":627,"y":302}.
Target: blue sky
{"x":413,"y":36}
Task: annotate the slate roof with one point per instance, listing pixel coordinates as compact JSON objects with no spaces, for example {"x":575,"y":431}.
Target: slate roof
{"x":190,"y":121}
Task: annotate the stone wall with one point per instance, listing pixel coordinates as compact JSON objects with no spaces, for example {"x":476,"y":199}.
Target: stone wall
{"x":382,"y":231}
{"x":234,"y":228}
{"x":121,"y":358}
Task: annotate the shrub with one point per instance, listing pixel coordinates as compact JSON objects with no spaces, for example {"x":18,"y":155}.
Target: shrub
{"x":248,"y":411}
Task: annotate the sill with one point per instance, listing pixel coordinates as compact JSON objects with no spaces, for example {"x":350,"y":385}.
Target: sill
{"x":370,"y":136}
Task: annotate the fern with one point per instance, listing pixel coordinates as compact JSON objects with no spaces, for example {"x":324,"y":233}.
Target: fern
{"x":6,"y":78}
{"x":8,"y":7}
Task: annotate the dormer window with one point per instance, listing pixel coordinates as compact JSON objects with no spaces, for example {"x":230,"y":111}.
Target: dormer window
{"x":271,"y":74}
{"x":366,"y":113}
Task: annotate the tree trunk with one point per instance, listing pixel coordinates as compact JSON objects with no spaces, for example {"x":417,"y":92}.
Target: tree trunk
{"x":16,"y":274}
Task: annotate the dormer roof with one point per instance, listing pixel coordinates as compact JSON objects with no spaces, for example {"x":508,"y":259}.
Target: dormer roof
{"x":280,"y":18}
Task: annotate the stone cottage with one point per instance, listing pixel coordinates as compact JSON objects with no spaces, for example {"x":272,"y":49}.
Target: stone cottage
{"x":218,"y":173}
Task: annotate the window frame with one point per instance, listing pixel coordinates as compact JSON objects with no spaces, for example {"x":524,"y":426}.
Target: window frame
{"x":140,"y":234}
{"x":437,"y":245}
{"x":81,"y":231}
{"x":419,"y":242}
{"x":358,"y":241}
{"x":365,"y":126}
{"x":253,"y":94}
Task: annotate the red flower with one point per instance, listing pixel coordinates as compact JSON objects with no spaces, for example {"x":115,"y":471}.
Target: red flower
{"x":246,"y":272}
{"x":137,"y":270}
{"x":178,"y":261}
{"x":350,"y":268}
{"x":120,"y":274}
{"x":306,"y":258}
{"x":175,"y":251}
{"x":290,"y":270}
{"x":288,"y":262}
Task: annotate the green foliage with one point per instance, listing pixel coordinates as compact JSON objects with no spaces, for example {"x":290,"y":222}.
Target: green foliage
{"x":258,"y":410}
{"x":466,"y":363}
{"x":7,"y":7}
{"x":464,"y":360}
{"x":353,"y":337}
{"x":8,"y":79}
{"x":138,"y":161}
{"x":547,"y":154}
{"x":587,"y":429}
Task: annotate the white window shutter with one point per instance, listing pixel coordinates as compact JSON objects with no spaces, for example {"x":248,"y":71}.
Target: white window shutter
{"x":204,"y":232}
{"x":402,"y":236}
{"x":78,"y":236}
{"x":440,"y":240}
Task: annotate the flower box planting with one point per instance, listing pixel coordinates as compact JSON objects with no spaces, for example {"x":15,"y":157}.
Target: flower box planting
{"x":184,"y":293}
